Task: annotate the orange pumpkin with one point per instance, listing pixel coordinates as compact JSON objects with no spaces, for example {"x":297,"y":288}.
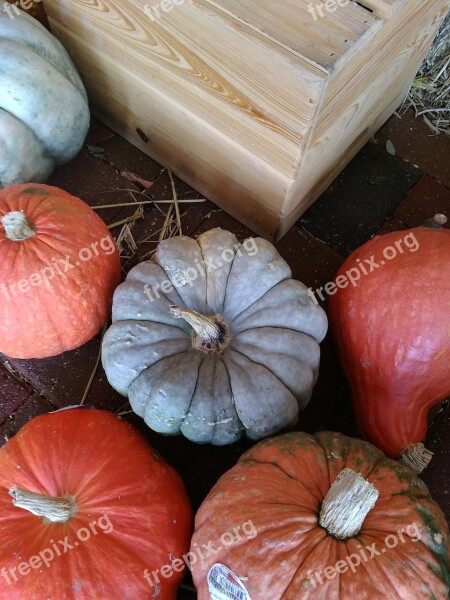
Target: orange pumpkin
{"x":108,"y":510}
{"x":322,"y":517}
{"x":59,"y":267}
{"x":392,"y":330}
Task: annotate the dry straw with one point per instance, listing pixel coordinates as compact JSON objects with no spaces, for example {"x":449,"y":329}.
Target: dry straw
{"x":430,"y":92}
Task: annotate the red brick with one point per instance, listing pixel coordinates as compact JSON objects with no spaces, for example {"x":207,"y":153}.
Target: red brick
{"x":35,"y":405}
{"x":414,"y":142}
{"x":427,"y":198}
{"x":13,"y":393}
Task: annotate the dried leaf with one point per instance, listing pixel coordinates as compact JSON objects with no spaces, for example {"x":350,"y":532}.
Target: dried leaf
{"x":390,"y":148}
{"x":95,"y":150}
{"x":136,"y":179}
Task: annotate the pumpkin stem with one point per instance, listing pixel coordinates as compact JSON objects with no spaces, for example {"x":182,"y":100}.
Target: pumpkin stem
{"x":347,"y":504}
{"x":17,"y":226}
{"x":54,"y":510}
{"x":416,"y":457}
{"x":210,"y":333}
{"x":438,"y":221}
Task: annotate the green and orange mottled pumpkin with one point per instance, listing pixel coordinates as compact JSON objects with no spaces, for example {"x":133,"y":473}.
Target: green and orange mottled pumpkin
{"x":332,"y":519}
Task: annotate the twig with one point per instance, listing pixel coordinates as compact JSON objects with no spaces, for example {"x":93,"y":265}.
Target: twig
{"x":91,"y":378}
{"x":122,"y":204}
{"x":131,"y":219}
{"x":175,"y":199}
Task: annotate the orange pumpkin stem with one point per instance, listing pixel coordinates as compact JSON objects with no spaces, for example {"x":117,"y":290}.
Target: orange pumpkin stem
{"x":210,"y":333}
{"x":17,"y":226}
{"x":347,"y":504}
{"x":54,"y":510}
{"x":416,"y":457}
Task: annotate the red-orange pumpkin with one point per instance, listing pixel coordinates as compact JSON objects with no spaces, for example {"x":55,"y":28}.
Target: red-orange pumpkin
{"x":118,"y":511}
{"x":59,"y":267}
{"x":393,"y":333}
{"x":288,"y":529}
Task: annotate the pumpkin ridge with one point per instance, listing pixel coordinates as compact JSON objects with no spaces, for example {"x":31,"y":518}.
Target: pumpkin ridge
{"x":220,"y":310}
{"x":232,"y":395}
{"x":263,"y":366}
{"x":20,"y":55}
{"x":260,"y":298}
{"x":228,"y":353}
{"x":297,"y":481}
{"x":215,"y":427}
{"x":193,"y":393}
{"x":270,"y":371}
{"x":163,"y":376}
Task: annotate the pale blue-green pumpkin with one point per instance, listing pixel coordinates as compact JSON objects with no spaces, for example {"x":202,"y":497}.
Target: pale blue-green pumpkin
{"x":44,"y":112}
{"x":214,"y":340}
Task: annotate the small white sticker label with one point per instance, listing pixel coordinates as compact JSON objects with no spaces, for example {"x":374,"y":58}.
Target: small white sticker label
{"x":223,"y":584}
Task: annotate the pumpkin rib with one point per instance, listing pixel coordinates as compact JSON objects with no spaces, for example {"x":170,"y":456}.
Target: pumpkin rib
{"x":38,"y":39}
{"x":296,"y":396}
{"x":234,"y":283}
{"x":55,"y":139}
{"x":215,"y":434}
{"x":368,"y":568}
{"x":278,"y":466}
{"x":202,"y":237}
{"x":286,"y":401}
{"x":162,"y":377}
{"x":242,"y":317}
{"x":16,"y":141}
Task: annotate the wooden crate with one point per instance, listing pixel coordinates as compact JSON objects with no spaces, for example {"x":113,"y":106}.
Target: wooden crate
{"x":258,"y":104}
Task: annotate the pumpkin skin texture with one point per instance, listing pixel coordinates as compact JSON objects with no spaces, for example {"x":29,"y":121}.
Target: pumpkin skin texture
{"x":111,"y":472}
{"x":255,"y":371}
{"x":279,"y":486}
{"x":44,"y":112}
{"x":393,"y":336}
{"x":70,"y":266}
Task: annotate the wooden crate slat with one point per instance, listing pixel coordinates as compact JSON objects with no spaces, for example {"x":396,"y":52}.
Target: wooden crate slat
{"x":291,"y":24}
{"x":385,"y":9}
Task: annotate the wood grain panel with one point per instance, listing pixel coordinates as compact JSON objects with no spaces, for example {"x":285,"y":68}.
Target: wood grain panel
{"x":385,"y":9}
{"x":321,"y":39}
{"x":202,"y":155}
{"x":266,"y":107}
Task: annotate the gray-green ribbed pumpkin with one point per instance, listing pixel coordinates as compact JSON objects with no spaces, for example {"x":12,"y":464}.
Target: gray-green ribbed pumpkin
{"x":44,"y":112}
{"x":213,"y":339}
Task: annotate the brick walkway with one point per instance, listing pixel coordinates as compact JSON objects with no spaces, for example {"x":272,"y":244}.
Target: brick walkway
{"x":377,"y":192}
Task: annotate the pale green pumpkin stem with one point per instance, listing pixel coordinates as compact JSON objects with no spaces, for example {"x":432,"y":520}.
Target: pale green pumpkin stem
{"x":17,"y":226}
{"x":416,"y":457}
{"x":438,"y":221}
{"x":54,"y":510}
{"x":210,"y":333}
{"x":347,"y":504}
